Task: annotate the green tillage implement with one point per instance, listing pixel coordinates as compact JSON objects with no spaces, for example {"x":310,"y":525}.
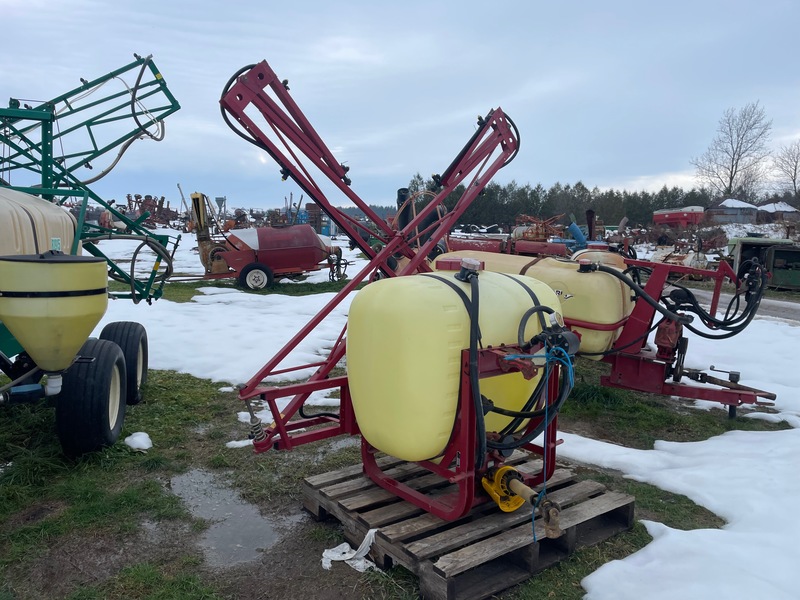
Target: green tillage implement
{"x":77,"y":120}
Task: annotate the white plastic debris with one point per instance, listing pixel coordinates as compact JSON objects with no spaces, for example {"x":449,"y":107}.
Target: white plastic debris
{"x":139,"y":441}
{"x":355,"y":558}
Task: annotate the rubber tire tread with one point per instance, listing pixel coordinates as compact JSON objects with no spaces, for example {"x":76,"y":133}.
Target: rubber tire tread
{"x":82,"y":420}
{"x":127,"y":335}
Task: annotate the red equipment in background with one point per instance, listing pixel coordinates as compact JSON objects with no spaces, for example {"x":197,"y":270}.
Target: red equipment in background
{"x":636,"y":367}
{"x":256,"y":255}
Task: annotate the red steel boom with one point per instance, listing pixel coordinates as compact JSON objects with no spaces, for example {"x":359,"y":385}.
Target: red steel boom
{"x":297,"y":148}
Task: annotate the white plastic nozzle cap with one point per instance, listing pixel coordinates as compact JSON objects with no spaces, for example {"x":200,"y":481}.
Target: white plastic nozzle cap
{"x":53,"y":384}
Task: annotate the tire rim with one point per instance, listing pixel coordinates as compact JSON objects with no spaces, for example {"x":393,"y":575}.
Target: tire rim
{"x":140,"y":365}
{"x":256,"y":279}
{"x":114,"y":393}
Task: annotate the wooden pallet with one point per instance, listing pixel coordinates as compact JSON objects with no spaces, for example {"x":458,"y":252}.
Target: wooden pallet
{"x":479,"y":554}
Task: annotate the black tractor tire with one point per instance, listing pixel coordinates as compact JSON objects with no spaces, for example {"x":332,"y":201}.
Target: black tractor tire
{"x":131,"y":337}
{"x":256,"y":276}
{"x":90,"y":409}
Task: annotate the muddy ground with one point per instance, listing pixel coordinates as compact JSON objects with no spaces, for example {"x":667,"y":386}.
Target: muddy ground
{"x":249,"y":539}
{"x":244,"y":551}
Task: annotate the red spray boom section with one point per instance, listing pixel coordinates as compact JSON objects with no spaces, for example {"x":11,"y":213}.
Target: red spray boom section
{"x":294,"y":144}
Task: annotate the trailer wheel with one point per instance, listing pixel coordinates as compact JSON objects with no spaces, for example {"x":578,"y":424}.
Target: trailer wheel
{"x":256,"y":276}
{"x":90,"y":409}
{"x":131,"y":337}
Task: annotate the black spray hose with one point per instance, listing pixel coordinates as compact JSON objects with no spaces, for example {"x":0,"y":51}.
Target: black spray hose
{"x":535,"y":396}
{"x":647,"y":298}
{"x":731,"y":318}
{"x":733,"y":323}
{"x":538,"y":310}
{"x":155,"y":246}
{"x":551,"y":411}
{"x":519,"y":140}
{"x":225,"y":118}
{"x":480,"y":422}
{"x":306,"y":415}
{"x":752,"y":308}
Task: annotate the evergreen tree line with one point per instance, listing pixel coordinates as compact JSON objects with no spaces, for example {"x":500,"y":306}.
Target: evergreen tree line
{"x":501,"y":204}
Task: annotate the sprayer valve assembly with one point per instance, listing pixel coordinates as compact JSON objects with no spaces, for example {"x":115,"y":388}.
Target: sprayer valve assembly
{"x":557,"y":337}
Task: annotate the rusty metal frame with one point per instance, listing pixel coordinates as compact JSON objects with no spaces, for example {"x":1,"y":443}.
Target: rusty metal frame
{"x":457,"y":463}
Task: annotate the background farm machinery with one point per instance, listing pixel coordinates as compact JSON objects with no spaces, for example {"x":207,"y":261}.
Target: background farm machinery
{"x":495,"y":388}
{"x":255,"y":255}
{"x":52,"y":295}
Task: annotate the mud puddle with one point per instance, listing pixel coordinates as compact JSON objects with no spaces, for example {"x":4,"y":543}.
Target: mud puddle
{"x":238,"y":532}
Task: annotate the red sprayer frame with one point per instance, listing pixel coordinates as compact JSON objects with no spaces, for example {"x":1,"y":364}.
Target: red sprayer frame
{"x":490,"y":148}
{"x":635,"y":366}
{"x":492,"y":145}
{"x":456,"y":465}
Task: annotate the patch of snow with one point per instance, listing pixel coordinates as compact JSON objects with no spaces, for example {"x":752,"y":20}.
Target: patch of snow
{"x":239,"y":443}
{"x":139,"y":441}
{"x":773,"y":207}
{"x":734,"y":203}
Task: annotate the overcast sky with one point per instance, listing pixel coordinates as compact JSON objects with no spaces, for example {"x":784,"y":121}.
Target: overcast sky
{"x":615,"y":94}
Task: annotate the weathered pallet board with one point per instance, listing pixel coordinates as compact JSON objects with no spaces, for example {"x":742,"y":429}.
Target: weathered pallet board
{"x":478,"y":555}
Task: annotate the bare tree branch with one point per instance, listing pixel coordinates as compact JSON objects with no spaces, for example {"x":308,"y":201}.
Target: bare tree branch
{"x":735,"y":163}
{"x":787,"y":165}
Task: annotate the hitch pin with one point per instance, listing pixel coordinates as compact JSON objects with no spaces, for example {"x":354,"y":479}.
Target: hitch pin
{"x":733,"y":376}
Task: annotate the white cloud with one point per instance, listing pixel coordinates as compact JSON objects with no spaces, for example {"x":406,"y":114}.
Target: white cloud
{"x":653,"y":183}
{"x":342,"y":49}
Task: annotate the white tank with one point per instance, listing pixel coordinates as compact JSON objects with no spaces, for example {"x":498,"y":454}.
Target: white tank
{"x":31,"y":225}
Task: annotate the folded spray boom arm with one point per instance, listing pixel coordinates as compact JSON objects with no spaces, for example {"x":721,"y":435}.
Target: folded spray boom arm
{"x":291,"y":134}
{"x":286,"y":134}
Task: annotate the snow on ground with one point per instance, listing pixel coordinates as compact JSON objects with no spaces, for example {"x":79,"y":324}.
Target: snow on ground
{"x":751,"y":479}
{"x":768,"y":230}
{"x":239,"y":330}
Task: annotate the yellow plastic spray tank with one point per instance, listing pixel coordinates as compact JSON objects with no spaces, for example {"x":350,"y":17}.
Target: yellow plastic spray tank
{"x":596,"y":298}
{"x":51,"y":302}
{"x":405,"y":337}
